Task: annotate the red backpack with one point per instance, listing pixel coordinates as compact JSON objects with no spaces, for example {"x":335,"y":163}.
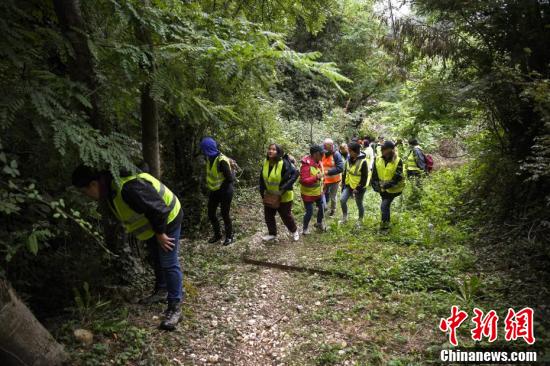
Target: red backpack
{"x":429,"y":162}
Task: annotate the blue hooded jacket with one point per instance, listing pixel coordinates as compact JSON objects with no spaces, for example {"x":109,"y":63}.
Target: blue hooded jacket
{"x":209,"y":147}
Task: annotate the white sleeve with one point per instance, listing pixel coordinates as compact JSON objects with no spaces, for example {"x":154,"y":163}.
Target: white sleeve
{"x":370,"y":155}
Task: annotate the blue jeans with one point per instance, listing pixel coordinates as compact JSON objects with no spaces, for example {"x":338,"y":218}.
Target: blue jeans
{"x":309,"y":211}
{"x":385,"y":205}
{"x":166,"y":266}
{"x":346,"y":194}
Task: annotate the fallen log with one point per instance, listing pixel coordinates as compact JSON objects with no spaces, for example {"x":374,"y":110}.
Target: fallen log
{"x":23,"y":340}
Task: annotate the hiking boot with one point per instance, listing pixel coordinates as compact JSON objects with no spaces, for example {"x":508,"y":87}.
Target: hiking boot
{"x":306,"y":231}
{"x":228,"y":240}
{"x":216,"y":238}
{"x":331,"y":213}
{"x":344,"y":219}
{"x":269,"y":237}
{"x":321,"y":226}
{"x":296,"y":236}
{"x":172,"y":316}
{"x":384,"y":226}
{"x":158,"y":296}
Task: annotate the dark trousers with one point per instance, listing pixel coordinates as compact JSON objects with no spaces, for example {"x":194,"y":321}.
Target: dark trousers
{"x":309,"y":211}
{"x":416,"y":177}
{"x":222,"y":199}
{"x":166,"y":266}
{"x":285,"y":211}
{"x":387,"y":199}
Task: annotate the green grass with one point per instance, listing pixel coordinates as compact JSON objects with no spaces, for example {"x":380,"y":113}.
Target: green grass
{"x":385,"y":312}
{"x":403,"y":281}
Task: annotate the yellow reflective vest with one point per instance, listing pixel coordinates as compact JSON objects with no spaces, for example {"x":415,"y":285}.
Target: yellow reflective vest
{"x":411,"y":162}
{"x":273,"y":179}
{"x":386,"y":172}
{"x":136,"y":223}
{"x":315,"y":189}
{"x":353,"y":172}
{"x":215,"y":178}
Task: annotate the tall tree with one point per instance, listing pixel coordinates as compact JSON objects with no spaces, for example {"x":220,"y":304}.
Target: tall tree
{"x":149,"y":111}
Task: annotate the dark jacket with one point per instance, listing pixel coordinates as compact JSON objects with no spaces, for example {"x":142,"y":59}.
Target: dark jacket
{"x":143,"y":198}
{"x":419,"y":157}
{"x":398,"y":176}
{"x":289,"y":175}
{"x":364,"y":173}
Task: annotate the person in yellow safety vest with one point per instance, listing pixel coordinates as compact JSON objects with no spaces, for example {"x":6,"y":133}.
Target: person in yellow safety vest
{"x":219,"y":181}
{"x":387,"y":179}
{"x":355,"y":181}
{"x":415,"y":160}
{"x":311,"y":187}
{"x":151,"y":212}
{"x":333,"y":164}
{"x":278,"y":176}
{"x":344,"y":151}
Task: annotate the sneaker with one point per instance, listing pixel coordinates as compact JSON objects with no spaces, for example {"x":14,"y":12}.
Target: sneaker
{"x":306,"y":231}
{"x":344,"y":219}
{"x":228,"y":240}
{"x":158,"y":296}
{"x":296,"y":235}
{"x":216,"y":238}
{"x":269,"y":237}
{"x":172,"y":317}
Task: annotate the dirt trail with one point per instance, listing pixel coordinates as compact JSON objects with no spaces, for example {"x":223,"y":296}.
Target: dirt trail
{"x":244,"y":320}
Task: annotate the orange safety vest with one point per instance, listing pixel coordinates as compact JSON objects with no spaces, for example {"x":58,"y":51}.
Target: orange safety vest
{"x":328,"y":163}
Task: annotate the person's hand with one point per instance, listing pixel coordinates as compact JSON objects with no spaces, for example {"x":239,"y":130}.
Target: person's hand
{"x":319,"y":176}
{"x":355,"y":192}
{"x":166,"y":243}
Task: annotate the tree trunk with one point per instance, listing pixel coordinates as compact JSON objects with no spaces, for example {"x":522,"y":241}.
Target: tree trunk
{"x":188,"y":170}
{"x":81,"y":68}
{"x":149,"y":115}
{"x":23,"y":340}
{"x":150,"y":131}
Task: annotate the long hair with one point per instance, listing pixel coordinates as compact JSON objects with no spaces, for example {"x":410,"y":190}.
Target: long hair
{"x":280,"y":152}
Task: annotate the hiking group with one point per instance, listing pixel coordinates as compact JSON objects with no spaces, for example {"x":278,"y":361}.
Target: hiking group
{"x":152,"y":212}
{"x":350,"y":169}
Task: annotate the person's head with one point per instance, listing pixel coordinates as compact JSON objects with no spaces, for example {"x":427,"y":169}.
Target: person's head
{"x":328,"y":144}
{"x":388,"y":150}
{"x":274,"y":152}
{"x":343,"y":148}
{"x":209,"y":147}
{"x":88,"y":181}
{"x":413,"y":142}
{"x":316,"y":152}
{"x":381,"y":139}
{"x":354,"y":149}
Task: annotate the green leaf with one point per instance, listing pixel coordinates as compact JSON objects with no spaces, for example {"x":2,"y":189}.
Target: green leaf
{"x":32,"y":243}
